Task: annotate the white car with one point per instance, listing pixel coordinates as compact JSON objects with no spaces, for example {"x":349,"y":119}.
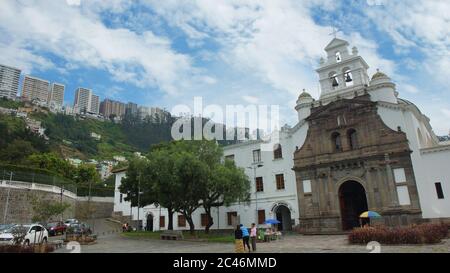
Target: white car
{"x":34,"y":234}
{"x":70,"y":222}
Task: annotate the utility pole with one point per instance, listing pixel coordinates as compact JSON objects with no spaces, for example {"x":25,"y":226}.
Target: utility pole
{"x":61,"y":200}
{"x":138,"y":201}
{"x":7,"y":199}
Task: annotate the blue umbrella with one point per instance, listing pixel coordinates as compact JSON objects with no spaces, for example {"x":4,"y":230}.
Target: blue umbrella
{"x":272,"y":221}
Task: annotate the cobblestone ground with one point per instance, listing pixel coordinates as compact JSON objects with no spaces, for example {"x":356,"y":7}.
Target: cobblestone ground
{"x":110,"y":241}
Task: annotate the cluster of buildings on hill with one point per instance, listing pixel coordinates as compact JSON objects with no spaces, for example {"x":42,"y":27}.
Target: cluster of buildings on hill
{"x":46,"y":94}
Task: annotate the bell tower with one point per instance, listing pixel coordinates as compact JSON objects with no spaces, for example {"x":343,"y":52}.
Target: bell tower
{"x":341,"y":71}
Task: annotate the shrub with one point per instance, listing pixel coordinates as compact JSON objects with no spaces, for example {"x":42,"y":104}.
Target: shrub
{"x":416,"y":234}
{"x":45,"y":248}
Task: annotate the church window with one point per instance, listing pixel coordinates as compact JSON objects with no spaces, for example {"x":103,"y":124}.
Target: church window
{"x":181,"y":221}
{"x":257,"y":156}
{"x":204,"y":219}
{"x":336,"y":138}
{"x":352,"y":139}
{"x":439,"y":191}
{"x":259,"y":184}
{"x":261,"y":216}
{"x":403,"y":196}
{"x":338,"y":57}
{"x":280,"y":181}
{"x":306,"y":186}
{"x":121,"y":198}
{"x":232,"y":215}
{"x":229,"y":157}
{"x":399,"y":175}
{"x":277,"y":152}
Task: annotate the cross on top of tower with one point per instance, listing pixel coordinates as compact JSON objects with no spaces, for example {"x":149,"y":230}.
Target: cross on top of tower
{"x":335,"y":31}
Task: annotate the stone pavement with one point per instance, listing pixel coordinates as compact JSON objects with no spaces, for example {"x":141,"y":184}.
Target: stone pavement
{"x":115,"y":243}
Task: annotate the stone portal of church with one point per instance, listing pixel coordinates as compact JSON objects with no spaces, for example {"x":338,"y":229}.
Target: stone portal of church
{"x":353,"y":202}
{"x":346,"y":165}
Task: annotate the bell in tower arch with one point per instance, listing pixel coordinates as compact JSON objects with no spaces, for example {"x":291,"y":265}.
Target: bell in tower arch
{"x":335,"y":82}
{"x":348,"y":78}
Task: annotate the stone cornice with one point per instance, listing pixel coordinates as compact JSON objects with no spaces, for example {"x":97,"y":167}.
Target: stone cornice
{"x":435,"y":149}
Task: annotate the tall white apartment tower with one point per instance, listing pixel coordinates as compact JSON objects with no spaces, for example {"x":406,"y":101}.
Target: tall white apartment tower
{"x":57,"y":94}
{"x":35,"y":89}
{"x":95,"y":104}
{"x":9,"y":81}
{"x":83,"y":99}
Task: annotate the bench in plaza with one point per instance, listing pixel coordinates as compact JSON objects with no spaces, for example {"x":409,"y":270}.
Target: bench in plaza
{"x":172,"y":235}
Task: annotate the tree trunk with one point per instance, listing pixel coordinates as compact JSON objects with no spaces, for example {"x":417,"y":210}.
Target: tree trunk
{"x":170,"y":226}
{"x":191,"y":224}
{"x":210,"y":219}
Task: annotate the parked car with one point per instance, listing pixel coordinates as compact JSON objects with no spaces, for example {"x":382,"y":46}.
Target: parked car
{"x":29,"y":234}
{"x":80,"y":228}
{"x":56,"y":228}
{"x":69,"y":222}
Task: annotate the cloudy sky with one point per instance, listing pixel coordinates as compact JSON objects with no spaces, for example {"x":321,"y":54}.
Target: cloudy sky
{"x":163,"y":53}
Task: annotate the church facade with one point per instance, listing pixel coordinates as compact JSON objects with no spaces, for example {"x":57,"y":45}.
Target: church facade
{"x":358,"y":147}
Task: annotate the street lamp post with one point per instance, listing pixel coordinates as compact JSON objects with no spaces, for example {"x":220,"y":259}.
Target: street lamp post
{"x":254,"y":167}
{"x":7,"y":199}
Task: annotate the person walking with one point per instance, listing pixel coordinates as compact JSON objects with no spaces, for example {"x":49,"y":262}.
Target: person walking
{"x":253,"y":234}
{"x":238,"y":243}
{"x":245,"y":237}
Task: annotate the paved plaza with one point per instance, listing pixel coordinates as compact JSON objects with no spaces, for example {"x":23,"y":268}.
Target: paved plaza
{"x":111,"y":241}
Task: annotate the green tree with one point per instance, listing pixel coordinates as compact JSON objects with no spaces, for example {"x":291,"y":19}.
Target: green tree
{"x":225,"y":185}
{"x":192,"y":176}
{"x":52,"y":162}
{"x":44,"y":210}
{"x":86,"y":173}
{"x":16,"y":151}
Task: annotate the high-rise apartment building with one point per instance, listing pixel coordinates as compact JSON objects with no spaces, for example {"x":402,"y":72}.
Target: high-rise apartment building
{"x":57,"y":93}
{"x":131,"y":109}
{"x":83,"y":99}
{"x":35,"y":89}
{"x":9,"y":81}
{"x":110,"y":107}
{"x":95,"y":104}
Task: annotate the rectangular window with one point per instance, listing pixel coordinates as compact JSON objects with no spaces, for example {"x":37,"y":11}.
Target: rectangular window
{"x":121,"y":197}
{"x":399,"y":175}
{"x":162,"y":221}
{"x":257,"y":156}
{"x":259,"y":184}
{"x":439,"y":191}
{"x":229,"y":157}
{"x":306,"y":186}
{"x":403,"y":195}
{"x":204,"y":219}
{"x":280,"y":181}
{"x":181,"y":221}
{"x":261,"y":216}
{"x":232,"y":215}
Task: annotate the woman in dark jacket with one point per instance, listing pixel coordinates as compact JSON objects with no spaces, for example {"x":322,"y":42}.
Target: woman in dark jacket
{"x":238,"y":242}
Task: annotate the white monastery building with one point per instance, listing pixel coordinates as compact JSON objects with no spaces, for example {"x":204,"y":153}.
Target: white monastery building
{"x":358,"y":147}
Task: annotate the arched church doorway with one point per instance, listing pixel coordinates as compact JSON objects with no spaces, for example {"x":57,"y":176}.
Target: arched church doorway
{"x":283,"y":214}
{"x":149,"y":225}
{"x":353,"y":202}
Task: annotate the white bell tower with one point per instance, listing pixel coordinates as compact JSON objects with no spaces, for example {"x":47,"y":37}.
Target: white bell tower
{"x":341,"y":71}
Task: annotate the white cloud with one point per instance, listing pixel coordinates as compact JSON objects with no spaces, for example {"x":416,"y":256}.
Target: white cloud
{"x":81,"y":38}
